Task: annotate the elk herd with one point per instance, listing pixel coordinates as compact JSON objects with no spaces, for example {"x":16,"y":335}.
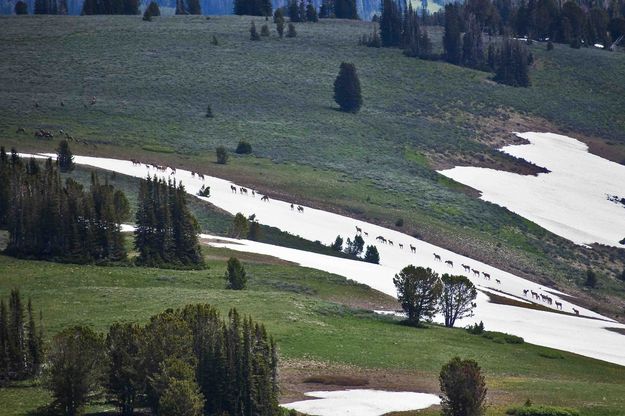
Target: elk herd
{"x":467,"y":269}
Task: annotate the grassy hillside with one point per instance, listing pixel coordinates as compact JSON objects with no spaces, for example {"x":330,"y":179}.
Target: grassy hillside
{"x":153,"y":81}
{"x":319,"y":326}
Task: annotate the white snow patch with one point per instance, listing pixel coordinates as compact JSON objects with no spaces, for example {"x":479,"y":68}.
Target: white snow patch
{"x":570,"y":333}
{"x":362,"y":402}
{"x":572,"y":201}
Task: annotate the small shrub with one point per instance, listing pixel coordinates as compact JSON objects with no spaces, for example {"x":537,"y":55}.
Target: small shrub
{"x":513,"y":339}
{"x":153,"y":9}
{"x":214,"y":41}
{"x":235,"y":275}
{"x":476,"y":329}
{"x":222,"y":155}
{"x":243,"y":148}
{"x":21,"y":8}
{"x":551,"y":355}
{"x":264,"y":30}
{"x":399,"y":222}
{"x":541,"y":411}
{"x":372,"y":255}
{"x":209,"y":112}
{"x":338,"y":244}
{"x":253,"y":32}
{"x":204,"y":191}
{"x":591,"y":279}
{"x":291,"y":33}
{"x":550,"y":46}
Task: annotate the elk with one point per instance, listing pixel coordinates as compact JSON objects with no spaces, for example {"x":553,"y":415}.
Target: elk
{"x":525,"y":292}
{"x":413,"y":249}
{"x":559,"y":305}
{"x":233,"y":189}
{"x":401,"y":246}
{"x":300,"y":209}
{"x":466,"y":268}
{"x":437,"y":257}
{"x":498,"y":281}
{"x":576,"y":311}
{"x":486,"y":275}
{"x":266,"y":199}
{"x":449,"y":263}
{"x":358,"y":230}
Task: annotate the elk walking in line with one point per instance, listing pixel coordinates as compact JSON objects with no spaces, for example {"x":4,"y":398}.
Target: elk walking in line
{"x":413,"y":249}
{"x":449,"y":263}
{"x":265,"y":198}
{"x":437,"y":257}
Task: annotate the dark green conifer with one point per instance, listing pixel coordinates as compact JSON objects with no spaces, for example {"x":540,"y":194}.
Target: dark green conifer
{"x":347,"y":89}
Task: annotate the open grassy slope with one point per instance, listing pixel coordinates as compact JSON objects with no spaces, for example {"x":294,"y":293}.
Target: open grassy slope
{"x":319,"y":327}
{"x":153,"y":81}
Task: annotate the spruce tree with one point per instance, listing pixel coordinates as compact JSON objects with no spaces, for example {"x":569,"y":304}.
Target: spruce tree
{"x":153,"y":9}
{"x":17,"y":337}
{"x":311,"y":12}
{"x":291,"y":33}
{"x":345,"y":9}
{"x":390,"y":24}
{"x":347,"y":89}
{"x":463,"y":388}
{"x":5,"y":358}
{"x":34,"y":344}
{"x":21,"y":8}
{"x":253,"y":32}
{"x":372,"y":255}
{"x":64,"y":157}
{"x":235,"y":274}
{"x":451,"y":38}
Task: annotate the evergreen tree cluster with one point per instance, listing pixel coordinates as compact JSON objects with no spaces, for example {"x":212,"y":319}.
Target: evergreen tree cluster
{"x":185,"y":362}
{"x":166,"y":231}
{"x":47,"y":7}
{"x":577,"y":23}
{"x":302,"y":11}
{"x":252,"y":7}
{"x":21,"y":342}
{"x":400,"y":30}
{"x":21,"y":8}
{"x":511,"y":63}
{"x":47,"y":219}
{"x":129,"y":7}
{"x":188,"y":7}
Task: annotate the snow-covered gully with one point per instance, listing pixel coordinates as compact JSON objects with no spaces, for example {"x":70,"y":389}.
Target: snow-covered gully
{"x":579,"y":199}
{"x":585,"y":334}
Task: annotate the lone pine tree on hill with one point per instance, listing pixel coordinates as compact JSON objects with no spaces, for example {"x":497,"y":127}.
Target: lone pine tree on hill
{"x":347,"y":89}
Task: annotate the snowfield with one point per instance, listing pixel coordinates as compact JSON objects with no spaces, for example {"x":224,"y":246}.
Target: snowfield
{"x":362,"y":402}
{"x":578,"y":200}
{"x":585,"y":334}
